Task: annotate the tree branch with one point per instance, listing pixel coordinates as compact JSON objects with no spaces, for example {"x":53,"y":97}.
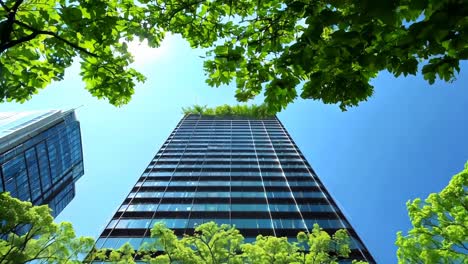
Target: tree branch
{"x":182,"y":8}
{"x":16,"y":6}
{"x":17,"y":41}
{"x":8,"y":24}
{"x":47,"y":244}
{"x":42,"y":32}
{"x":29,"y":235}
{"x":167,"y":251}
{"x":4,"y":6}
{"x":5,"y":255}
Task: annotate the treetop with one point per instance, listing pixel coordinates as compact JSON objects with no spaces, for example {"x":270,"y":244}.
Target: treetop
{"x":254,"y":111}
{"x":322,"y":50}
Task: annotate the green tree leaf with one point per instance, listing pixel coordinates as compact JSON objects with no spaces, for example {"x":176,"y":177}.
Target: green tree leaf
{"x":440,"y":226}
{"x":216,"y":244}
{"x":322,"y":50}
{"x":28,"y":234}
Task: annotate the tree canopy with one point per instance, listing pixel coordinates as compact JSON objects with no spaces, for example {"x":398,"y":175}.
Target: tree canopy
{"x":329,"y":50}
{"x":440,"y":226}
{"x":39,"y":40}
{"x":216,"y":244}
{"x":28,"y":233}
{"x":255,"y":111}
{"x":332,"y":49}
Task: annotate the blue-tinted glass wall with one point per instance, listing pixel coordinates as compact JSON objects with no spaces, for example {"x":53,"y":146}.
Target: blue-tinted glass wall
{"x":43,"y":168}
{"x":237,"y":171}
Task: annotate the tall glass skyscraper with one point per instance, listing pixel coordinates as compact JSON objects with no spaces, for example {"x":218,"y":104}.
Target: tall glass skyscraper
{"x":232,"y":170}
{"x":40,"y":156}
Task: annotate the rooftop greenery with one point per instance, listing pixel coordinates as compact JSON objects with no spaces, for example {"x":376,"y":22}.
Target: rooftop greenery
{"x":259,"y":111}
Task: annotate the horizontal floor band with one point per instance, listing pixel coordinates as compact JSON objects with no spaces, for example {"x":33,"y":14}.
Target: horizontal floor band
{"x":237,"y":215}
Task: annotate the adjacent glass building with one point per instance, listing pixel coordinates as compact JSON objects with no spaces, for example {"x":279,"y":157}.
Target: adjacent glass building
{"x":40,"y":156}
{"x":231,"y":170}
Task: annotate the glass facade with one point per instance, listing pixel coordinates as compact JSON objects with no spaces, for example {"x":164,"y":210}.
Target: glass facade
{"x":244,"y":172}
{"x":42,"y":158}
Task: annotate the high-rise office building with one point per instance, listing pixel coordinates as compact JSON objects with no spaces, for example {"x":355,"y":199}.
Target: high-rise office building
{"x":40,"y":156}
{"x":232,"y":170}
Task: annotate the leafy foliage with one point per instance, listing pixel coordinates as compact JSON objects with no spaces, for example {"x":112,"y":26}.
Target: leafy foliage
{"x":224,"y":244}
{"x":40,"y":38}
{"x":440,"y":226}
{"x":259,"y":111}
{"x":28,"y":233}
{"x":330,"y":48}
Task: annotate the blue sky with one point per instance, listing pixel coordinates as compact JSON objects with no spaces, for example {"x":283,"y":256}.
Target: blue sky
{"x":405,"y":142}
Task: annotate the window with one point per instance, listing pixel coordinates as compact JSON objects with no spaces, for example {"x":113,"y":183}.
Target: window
{"x":16,"y":178}
{"x":46,"y":180}
{"x":289,"y":224}
{"x":33,"y":172}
